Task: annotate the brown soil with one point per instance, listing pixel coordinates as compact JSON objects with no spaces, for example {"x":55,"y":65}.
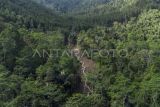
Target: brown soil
{"x":87,"y":65}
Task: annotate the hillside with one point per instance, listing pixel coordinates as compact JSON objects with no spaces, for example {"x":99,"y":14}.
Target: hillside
{"x":99,"y":12}
{"x":70,"y":5}
{"x":115,"y":10}
{"x":79,"y":53}
{"x":30,"y":15}
{"x":127,"y":62}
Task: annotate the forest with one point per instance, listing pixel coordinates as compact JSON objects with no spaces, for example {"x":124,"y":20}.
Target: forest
{"x":79,"y":53}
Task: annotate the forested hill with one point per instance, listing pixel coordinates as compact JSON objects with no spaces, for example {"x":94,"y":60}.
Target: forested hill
{"x":71,"y":5}
{"x":100,"y":12}
{"x":26,"y":79}
{"x":79,"y":53}
{"x":115,"y":10}
{"x":29,"y":14}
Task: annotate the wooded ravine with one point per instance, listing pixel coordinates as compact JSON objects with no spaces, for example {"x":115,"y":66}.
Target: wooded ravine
{"x":79,"y":53}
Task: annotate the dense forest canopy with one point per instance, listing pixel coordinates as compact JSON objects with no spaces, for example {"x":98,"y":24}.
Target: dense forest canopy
{"x":79,"y":53}
{"x":70,"y":5}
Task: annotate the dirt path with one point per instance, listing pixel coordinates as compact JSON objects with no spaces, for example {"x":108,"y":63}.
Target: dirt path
{"x":87,"y":65}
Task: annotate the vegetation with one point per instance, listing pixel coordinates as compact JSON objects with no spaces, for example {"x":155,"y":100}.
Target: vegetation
{"x":39,"y":69}
{"x":71,"y":5}
{"x":135,"y":61}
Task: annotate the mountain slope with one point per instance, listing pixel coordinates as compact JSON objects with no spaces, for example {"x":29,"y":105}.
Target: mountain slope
{"x":70,"y":5}
{"x":101,"y":54}
{"x":29,"y":14}
{"x":116,"y":10}
{"x":101,"y":12}
{"x":127,"y":58}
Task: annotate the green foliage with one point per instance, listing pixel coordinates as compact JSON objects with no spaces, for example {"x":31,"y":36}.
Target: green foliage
{"x":37,"y":68}
{"x":134,"y":73}
{"x":30,"y":15}
{"x":71,"y":5}
{"x":80,"y":100}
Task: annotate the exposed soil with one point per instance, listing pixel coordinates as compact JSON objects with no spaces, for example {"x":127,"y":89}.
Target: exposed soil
{"x":87,"y":65}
